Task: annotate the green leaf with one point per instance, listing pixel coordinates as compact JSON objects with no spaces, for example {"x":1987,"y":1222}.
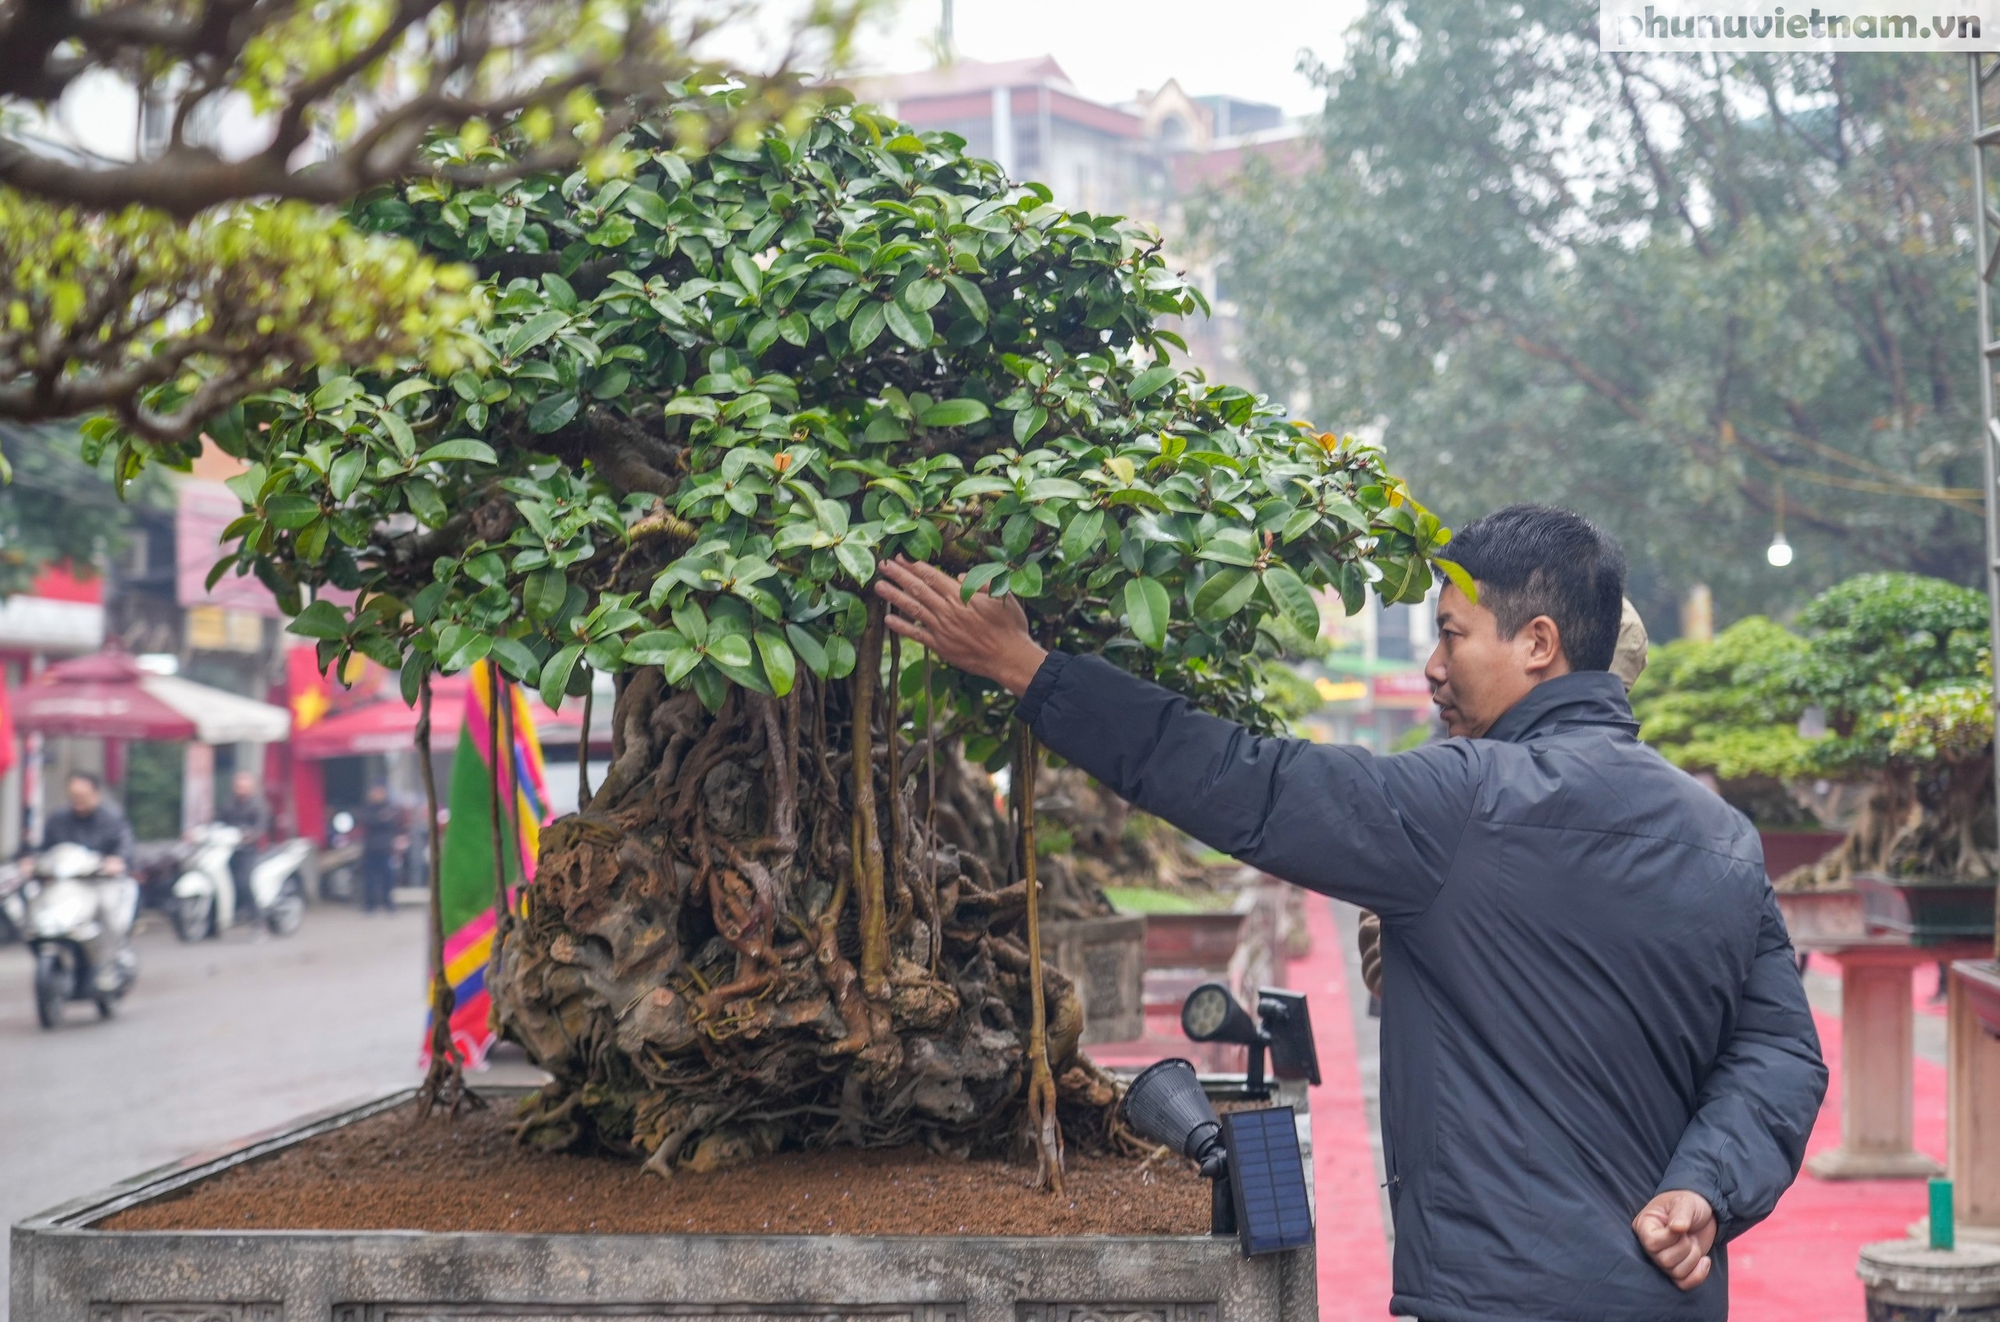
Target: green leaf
{"x":1147,"y":610}
{"x":809,"y":649}
{"x":953,"y":413}
{"x":666,"y":649}
{"x":984,"y":485}
{"x":1230,"y":546}
{"x":544,"y":593}
{"x":857,"y":560}
{"x":968,"y":294}
{"x":1459,"y":578}
{"x":1148,"y":382}
{"x":1293,"y":598}
{"x":747,"y":275}
{"x":1224,"y":594}
{"x":556,"y":673}
{"x":291,"y":512}
{"x":839,"y":657}
{"x":1026,"y":581}
{"x":421,"y":494}
{"x":322,"y":619}
{"x":730,"y":649}
{"x":979,"y":577}
{"x":537,"y":329}
{"x":648,"y":206}
{"x":552,"y":412}
{"x":780,"y":667}
{"x":1083,"y":536}
{"x":1056,"y":488}
{"x":912,"y":328}
{"x":866,"y":326}
{"x":464,"y":450}
{"x":515,"y":658}
{"x":1029,"y":421}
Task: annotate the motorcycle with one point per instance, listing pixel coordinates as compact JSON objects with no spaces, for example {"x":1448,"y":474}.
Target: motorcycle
{"x":77,"y":923}
{"x":204,"y":897}
{"x":17,"y":887}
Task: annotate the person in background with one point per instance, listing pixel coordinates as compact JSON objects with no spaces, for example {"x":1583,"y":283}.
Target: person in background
{"x":93,"y":821}
{"x":245,"y":810}
{"x":382,"y":838}
{"x":1627,"y":660}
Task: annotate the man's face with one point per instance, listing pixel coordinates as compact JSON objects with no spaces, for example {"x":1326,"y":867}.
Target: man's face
{"x":243,"y":785}
{"x":1475,"y":674}
{"x":82,"y":796}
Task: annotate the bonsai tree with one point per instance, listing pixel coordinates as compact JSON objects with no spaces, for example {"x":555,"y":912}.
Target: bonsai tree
{"x":1725,"y":708}
{"x":718,"y":390}
{"x":1901,"y":666}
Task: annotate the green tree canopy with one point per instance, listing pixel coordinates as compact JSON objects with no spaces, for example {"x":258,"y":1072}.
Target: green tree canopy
{"x":1667,"y":292}
{"x":715,"y":392}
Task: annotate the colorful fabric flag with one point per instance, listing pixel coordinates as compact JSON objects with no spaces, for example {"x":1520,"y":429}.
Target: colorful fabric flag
{"x":466,"y":859}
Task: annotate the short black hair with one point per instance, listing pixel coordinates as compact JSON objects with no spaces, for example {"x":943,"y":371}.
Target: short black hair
{"x":88,"y":777}
{"x":1531,"y":560}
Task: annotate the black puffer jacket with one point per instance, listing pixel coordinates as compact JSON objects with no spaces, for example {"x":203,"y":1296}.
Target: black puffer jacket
{"x":1591,"y":997}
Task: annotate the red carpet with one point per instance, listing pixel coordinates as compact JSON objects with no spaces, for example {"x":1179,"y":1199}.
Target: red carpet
{"x":1353,"y":1250}
{"x":1799,"y":1265}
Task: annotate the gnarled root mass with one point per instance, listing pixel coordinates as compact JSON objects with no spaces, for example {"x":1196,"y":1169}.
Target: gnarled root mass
{"x":747,"y":941}
{"x":1935,"y":822}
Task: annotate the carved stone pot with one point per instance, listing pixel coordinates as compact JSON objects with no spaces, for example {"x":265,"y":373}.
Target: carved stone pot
{"x":64,"y":1270}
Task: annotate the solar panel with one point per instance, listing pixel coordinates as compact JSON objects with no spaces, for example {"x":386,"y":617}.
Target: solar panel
{"x":1267,"y":1180}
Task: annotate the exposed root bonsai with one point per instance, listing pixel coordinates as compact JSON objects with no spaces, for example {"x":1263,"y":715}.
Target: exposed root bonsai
{"x":752,"y":938}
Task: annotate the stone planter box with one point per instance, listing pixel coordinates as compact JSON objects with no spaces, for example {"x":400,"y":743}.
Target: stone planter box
{"x":1785,"y":850}
{"x":66,"y":1271}
{"x":1198,"y":940}
{"x":1106,"y":959}
{"x":1928,"y":912}
{"x":1829,"y":917}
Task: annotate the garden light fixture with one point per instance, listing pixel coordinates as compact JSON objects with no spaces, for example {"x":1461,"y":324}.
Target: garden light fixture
{"x":1260,"y":1196}
{"x":1283,"y":1026}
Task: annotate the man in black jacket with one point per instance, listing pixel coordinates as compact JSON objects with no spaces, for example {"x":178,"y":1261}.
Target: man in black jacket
{"x":1598,"y":1064}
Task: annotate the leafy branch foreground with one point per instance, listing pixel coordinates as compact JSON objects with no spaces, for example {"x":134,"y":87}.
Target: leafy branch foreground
{"x":722,"y":390}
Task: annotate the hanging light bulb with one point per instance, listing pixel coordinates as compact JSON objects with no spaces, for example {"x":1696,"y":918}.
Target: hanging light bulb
{"x":1779,"y":553}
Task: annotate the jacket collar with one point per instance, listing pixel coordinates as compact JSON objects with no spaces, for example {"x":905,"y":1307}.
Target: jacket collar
{"x":1582,"y":697}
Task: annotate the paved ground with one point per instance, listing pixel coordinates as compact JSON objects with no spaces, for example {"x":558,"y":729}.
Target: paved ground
{"x":216,"y":1041}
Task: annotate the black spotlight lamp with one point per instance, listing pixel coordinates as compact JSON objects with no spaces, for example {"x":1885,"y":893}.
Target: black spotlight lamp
{"x":1166,"y":1103}
{"x":1283,"y":1027}
{"x":1259,"y":1195}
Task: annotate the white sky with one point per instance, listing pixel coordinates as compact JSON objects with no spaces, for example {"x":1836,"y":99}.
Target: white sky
{"x":1112,"y":48}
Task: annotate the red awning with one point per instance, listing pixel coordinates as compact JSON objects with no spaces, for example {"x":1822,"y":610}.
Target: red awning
{"x":387,"y":726}
{"x":107,"y":696}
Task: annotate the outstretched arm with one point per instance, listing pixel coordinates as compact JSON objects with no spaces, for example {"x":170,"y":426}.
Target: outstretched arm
{"x":1378,"y":831}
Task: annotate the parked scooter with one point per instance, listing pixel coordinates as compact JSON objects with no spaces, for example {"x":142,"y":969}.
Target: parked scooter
{"x":79,"y":925}
{"x":205,"y":902}
{"x":17,"y":887}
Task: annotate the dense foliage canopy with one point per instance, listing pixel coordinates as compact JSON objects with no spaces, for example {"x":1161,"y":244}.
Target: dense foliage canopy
{"x":1897,"y":667}
{"x":1672,"y":293}
{"x":723,"y":387}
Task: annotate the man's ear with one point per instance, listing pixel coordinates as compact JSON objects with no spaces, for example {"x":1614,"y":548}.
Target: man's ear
{"x":1543,"y":640}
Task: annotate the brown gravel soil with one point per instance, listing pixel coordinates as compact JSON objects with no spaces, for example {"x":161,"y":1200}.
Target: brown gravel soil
{"x":391,"y":1172}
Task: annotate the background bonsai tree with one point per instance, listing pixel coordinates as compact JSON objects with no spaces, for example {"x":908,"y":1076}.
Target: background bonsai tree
{"x":721,"y":389}
{"x":1725,"y":708}
{"x":1900,"y":664}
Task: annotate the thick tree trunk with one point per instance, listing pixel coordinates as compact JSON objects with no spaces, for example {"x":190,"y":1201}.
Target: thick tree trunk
{"x":748,"y":939}
{"x":1939,"y":824}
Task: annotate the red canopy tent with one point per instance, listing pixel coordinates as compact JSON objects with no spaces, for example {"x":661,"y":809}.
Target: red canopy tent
{"x":385,"y":725}
{"x":108,"y":696}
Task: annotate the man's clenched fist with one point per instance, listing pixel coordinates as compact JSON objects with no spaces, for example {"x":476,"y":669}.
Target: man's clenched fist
{"x":1677,"y":1230}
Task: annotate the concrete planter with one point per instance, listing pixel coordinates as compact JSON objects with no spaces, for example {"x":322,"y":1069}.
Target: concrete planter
{"x":1785,"y":850}
{"x":1930,"y":912}
{"x":1824,"y":917}
{"x":1106,"y":959}
{"x":66,"y":1271}
{"x":1198,"y":940}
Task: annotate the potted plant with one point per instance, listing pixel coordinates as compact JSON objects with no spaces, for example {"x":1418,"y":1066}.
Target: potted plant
{"x":713,"y":391}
